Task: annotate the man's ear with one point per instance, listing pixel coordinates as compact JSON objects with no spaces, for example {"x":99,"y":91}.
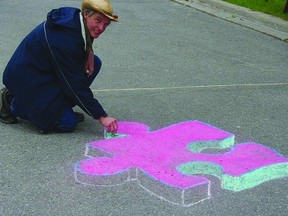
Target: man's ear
{"x":85,"y":14}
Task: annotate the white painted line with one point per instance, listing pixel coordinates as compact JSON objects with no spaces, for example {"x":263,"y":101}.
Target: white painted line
{"x":191,"y":87}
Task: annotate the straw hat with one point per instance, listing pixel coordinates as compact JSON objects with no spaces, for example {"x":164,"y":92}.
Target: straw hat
{"x":101,"y":6}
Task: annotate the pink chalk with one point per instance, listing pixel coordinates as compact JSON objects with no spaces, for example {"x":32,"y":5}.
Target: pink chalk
{"x":172,"y":156}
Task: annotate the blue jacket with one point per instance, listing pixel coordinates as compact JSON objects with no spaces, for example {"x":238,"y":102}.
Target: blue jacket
{"x":42,"y":75}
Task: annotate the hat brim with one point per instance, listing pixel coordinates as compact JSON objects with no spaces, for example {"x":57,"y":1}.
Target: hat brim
{"x":114,"y":18}
{"x":111,"y":17}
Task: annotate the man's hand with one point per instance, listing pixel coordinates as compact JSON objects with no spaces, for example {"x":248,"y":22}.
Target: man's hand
{"x":109,"y":123}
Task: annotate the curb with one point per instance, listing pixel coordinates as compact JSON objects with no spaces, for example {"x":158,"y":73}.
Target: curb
{"x":257,"y":21}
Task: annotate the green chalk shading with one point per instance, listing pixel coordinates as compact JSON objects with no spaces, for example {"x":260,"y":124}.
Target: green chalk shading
{"x":255,"y":177}
{"x":236,"y":183}
{"x":192,"y":168}
{"x":109,"y":135}
{"x":222,"y":144}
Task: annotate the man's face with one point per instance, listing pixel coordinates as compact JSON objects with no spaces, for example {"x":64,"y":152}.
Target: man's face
{"x":96,"y":23}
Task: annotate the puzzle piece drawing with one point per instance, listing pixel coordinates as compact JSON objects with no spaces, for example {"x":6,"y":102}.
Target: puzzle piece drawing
{"x":165,"y":162}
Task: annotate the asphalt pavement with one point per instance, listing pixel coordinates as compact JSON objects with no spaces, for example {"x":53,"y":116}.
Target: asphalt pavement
{"x":258,"y":21}
{"x":164,"y":63}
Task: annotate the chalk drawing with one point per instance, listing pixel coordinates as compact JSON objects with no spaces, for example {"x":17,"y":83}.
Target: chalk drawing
{"x":169,"y":162}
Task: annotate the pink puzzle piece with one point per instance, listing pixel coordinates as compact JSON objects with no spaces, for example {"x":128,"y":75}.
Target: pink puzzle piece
{"x":172,"y":157}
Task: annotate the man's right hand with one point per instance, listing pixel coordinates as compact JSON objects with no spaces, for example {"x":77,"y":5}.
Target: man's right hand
{"x":109,"y":123}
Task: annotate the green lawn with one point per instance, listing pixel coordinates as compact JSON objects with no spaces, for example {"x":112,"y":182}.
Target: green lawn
{"x":272,"y":7}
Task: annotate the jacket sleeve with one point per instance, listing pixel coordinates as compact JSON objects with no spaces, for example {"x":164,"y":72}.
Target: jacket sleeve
{"x":68,"y":55}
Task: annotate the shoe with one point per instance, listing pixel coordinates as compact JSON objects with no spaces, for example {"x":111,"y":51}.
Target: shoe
{"x":5,"y":113}
{"x":79,"y":116}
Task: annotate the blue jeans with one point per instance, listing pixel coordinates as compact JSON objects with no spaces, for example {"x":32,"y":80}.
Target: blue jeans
{"x":67,"y":120}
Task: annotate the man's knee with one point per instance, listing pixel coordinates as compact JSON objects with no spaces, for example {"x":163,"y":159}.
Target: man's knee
{"x":67,"y":121}
{"x":97,"y":64}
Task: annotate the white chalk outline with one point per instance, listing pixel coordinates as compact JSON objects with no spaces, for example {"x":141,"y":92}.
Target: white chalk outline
{"x":129,"y":179}
{"x":136,"y":179}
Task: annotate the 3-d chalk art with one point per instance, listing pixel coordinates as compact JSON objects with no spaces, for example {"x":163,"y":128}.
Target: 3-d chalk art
{"x":168,"y":162}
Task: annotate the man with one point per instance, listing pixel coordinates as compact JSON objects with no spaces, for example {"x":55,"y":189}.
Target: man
{"x":53,"y":67}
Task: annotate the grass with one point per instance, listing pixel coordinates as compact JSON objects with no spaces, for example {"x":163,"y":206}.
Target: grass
{"x":272,"y":7}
